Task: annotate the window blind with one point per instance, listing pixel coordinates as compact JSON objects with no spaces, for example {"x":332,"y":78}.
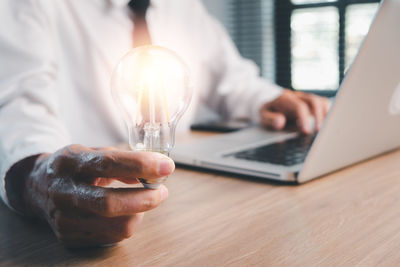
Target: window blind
{"x":252,"y":31}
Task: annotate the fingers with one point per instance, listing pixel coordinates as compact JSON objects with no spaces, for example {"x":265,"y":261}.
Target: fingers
{"x":106,"y":202}
{"x":326,"y":106}
{"x":86,"y":162}
{"x":109,"y":148}
{"x":99,"y":181}
{"x":296,"y":109}
{"x":303,"y":116}
{"x":293,"y":108}
{"x":73,"y":229}
{"x":128,"y":180}
{"x":319,"y":107}
{"x":118,"y":210}
{"x":316,"y":108}
{"x":125,"y":164}
{"x":296,"y":106}
{"x":273,"y":120}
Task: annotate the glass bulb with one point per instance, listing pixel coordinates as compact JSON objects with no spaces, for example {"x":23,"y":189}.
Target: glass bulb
{"x":151,"y":87}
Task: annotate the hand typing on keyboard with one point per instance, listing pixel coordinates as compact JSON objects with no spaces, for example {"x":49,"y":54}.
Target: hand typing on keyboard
{"x":295,"y":107}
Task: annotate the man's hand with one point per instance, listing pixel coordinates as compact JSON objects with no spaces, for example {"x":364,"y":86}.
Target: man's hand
{"x":65,"y":189}
{"x":297,"y":107}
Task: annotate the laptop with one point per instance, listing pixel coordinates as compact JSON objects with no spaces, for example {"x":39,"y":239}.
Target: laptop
{"x":364,"y":121}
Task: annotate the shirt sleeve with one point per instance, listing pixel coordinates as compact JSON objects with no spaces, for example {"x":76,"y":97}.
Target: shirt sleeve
{"x":238,"y":90}
{"x":29,"y":123}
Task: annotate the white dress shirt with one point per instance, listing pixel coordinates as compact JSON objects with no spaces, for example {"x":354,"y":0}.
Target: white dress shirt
{"x":57,"y":58}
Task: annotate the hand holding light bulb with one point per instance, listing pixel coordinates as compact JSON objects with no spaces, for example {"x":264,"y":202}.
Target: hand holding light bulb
{"x":150,"y":85}
{"x":153,"y":93}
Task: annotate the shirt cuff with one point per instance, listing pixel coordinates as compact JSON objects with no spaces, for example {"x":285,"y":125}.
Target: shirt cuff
{"x":19,"y":154}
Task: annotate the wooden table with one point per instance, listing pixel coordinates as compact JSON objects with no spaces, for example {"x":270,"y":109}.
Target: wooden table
{"x":347,"y":218}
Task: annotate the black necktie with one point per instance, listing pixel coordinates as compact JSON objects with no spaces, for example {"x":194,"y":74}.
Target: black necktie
{"x":141,"y":34}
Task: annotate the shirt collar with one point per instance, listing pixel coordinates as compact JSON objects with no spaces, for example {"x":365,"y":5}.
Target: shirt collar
{"x":123,"y":3}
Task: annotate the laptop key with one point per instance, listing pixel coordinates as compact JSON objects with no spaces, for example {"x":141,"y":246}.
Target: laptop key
{"x":288,"y":152}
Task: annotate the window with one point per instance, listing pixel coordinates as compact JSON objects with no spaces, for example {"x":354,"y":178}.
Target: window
{"x":358,"y":19}
{"x":317,"y":40}
{"x":314,"y":48}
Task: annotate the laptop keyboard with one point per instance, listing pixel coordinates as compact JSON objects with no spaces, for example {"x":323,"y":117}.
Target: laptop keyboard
{"x":287,"y":152}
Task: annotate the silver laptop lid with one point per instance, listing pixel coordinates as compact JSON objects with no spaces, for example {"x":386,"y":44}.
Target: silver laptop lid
{"x":365,"y":120}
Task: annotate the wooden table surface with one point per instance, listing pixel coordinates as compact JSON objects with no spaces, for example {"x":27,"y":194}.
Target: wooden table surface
{"x":351,"y":217}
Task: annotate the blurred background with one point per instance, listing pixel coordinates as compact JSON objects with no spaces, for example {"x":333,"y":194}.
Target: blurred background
{"x":301,"y":44}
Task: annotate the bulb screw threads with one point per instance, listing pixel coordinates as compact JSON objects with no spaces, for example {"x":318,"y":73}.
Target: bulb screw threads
{"x":152,"y":184}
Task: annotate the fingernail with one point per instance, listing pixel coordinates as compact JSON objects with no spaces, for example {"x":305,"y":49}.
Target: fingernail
{"x":164,"y":192}
{"x":313,"y":125}
{"x":306,"y":128}
{"x":278,"y":123}
{"x":303,"y":126}
{"x":165,"y":166}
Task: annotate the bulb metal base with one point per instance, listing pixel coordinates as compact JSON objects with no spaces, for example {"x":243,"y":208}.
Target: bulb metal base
{"x":152,"y":183}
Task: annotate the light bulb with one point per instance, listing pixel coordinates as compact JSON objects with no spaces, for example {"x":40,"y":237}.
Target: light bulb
{"x":151,"y":87}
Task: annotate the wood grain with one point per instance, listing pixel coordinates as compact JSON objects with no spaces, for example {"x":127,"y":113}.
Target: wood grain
{"x":351,"y":217}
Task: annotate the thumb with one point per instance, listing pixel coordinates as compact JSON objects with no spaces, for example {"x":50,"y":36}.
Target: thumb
{"x":273,"y":120}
